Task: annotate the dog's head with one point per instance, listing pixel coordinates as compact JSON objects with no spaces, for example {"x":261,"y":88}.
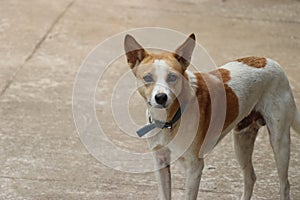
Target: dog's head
{"x":159,"y":76}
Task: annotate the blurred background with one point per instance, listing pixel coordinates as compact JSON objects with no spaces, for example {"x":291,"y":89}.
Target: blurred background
{"x":43,"y":44}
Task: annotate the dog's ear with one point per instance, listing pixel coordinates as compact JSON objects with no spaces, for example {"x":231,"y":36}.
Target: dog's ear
{"x":184,"y":52}
{"x":135,"y":53}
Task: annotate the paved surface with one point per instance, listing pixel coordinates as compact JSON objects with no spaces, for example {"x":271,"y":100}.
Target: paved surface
{"x":42,"y":46}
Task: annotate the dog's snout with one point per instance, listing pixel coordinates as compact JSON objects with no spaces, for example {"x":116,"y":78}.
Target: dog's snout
{"x":161,"y":98}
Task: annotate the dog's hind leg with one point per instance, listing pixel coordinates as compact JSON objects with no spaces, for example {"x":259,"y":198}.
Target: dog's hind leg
{"x":278,"y":112}
{"x":279,"y":129}
{"x":243,"y":144}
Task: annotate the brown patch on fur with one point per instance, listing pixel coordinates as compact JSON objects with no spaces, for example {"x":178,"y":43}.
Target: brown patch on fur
{"x":257,"y":62}
{"x":172,"y":110}
{"x":232,"y":103}
{"x":205,"y":101}
{"x":167,"y":57}
{"x":232,"y":109}
{"x":222,"y":73}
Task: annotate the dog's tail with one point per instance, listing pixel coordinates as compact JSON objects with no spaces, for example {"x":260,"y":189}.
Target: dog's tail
{"x":296,"y":122}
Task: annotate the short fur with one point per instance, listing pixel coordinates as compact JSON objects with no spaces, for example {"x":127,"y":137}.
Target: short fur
{"x":257,"y":94}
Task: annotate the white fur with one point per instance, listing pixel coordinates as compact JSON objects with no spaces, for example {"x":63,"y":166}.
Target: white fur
{"x":296,"y":122}
{"x":193,"y":82}
{"x":161,"y":86}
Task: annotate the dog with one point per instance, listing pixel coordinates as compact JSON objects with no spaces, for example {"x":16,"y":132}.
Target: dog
{"x":257,"y":93}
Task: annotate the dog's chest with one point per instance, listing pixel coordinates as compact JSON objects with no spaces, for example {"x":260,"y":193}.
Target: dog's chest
{"x":182,"y":135}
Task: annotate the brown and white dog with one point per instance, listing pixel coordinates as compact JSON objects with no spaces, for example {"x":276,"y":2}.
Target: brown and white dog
{"x":257,"y":93}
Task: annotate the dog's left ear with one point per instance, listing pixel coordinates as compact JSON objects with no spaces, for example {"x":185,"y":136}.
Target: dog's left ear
{"x":184,"y":52}
{"x":135,"y":53}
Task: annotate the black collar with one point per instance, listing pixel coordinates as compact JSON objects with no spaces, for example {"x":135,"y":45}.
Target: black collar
{"x":159,"y":124}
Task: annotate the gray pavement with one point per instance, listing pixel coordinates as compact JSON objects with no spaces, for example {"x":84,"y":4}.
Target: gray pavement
{"x":42,"y":46}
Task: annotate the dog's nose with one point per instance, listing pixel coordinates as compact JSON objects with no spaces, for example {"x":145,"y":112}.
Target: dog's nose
{"x":161,"y":98}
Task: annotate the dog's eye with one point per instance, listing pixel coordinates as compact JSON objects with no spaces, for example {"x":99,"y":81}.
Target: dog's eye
{"x":171,"y":78}
{"x":148,"y":78}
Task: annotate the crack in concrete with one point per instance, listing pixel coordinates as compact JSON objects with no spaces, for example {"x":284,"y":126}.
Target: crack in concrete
{"x":36,"y":47}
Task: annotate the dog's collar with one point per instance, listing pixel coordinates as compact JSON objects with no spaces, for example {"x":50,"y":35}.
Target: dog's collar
{"x":159,"y":124}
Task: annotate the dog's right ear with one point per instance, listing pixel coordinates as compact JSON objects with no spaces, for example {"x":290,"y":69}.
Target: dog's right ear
{"x":135,"y":53}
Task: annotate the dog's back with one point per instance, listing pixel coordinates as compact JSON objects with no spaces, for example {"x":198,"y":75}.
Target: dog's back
{"x":260,"y":84}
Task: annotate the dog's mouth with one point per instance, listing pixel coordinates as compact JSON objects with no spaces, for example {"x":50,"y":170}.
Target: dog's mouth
{"x":157,"y":106}
{"x":160,"y":106}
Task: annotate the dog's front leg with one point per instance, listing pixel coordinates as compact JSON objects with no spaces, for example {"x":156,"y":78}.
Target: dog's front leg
{"x":163,"y":174}
{"x":193,"y":169}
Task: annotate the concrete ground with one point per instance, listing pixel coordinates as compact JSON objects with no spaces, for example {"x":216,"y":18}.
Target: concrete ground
{"x":42,"y":46}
